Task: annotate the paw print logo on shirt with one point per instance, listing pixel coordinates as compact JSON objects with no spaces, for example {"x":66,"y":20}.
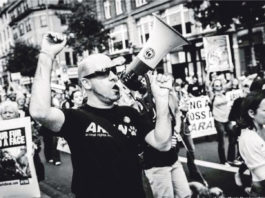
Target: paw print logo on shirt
{"x":132,"y":130}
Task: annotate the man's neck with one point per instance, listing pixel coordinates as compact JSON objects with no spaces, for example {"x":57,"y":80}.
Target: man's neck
{"x":99,"y":104}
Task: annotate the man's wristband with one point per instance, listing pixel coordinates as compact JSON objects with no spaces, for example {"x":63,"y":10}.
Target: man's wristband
{"x":43,"y":52}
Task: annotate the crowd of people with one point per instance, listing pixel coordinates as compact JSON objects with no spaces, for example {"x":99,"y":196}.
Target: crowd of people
{"x":132,"y":138}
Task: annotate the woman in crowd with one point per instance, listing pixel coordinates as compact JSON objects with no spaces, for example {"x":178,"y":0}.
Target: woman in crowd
{"x":220,"y":110}
{"x":252,"y":139}
{"x":76,"y":99}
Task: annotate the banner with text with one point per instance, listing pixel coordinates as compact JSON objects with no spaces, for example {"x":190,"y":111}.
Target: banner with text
{"x":217,"y":53}
{"x":200,"y":117}
{"x":17,"y":172}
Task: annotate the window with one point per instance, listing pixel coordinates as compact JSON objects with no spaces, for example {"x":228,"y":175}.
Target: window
{"x":178,"y":28}
{"x":25,"y":5}
{"x":28,"y":26}
{"x":107,"y":9}
{"x":21,"y":29}
{"x":139,"y":3}
{"x":144,"y":27}
{"x":188,"y":27}
{"x":13,"y":16}
{"x":118,"y":7}
{"x":15,"y":35}
{"x":7,"y":32}
{"x":18,"y":10}
{"x":41,"y":2}
{"x":43,"y":21}
{"x":179,"y":18}
{"x":74,"y":58}
{"x":119,"y":39}
{"x":4,"y":35}
{"x":63,"y":19}
{"x":67,"y":58}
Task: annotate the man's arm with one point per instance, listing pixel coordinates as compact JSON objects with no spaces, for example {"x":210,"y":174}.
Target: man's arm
{"x":160,"y":137}
{"x":40,"y":104}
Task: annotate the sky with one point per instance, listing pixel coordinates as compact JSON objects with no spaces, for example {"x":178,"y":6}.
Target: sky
{"x":2,"y":2}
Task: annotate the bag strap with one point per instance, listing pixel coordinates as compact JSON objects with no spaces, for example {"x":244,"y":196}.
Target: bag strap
{"x":106,"y":124}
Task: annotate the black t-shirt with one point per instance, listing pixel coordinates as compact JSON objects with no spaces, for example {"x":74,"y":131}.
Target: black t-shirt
{"x":234,"y":114}
{"x":155,"y":158}
{"x":105,"y":161}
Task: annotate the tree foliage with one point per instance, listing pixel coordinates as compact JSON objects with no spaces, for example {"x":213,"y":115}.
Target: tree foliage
{"x":85,"y":31}
{"x":23,"y":58}
{"x":222,"y":14}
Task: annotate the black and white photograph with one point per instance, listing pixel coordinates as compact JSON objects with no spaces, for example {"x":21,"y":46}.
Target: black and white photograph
{"x":132,"y":98}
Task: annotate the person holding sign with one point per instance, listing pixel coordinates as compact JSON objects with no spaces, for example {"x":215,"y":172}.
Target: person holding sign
{"x":10,"y":110}
{"x":103,"y":138}
{"x":220,"y":110}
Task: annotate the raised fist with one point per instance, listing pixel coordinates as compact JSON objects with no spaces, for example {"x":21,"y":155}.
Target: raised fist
{"x":53,"y":43}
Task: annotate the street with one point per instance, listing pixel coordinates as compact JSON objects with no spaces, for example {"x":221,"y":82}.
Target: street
{"x":58,"y":178}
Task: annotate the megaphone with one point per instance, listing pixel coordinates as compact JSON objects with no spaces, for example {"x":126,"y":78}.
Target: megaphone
{"x":163,"y":38}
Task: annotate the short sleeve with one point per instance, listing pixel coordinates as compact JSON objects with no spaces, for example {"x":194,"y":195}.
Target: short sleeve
{"x":252,"y":150}
{"x":70,"y":123}
{"x":144,"y":123}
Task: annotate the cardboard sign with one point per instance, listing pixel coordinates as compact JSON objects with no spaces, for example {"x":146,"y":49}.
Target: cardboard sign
{"x":17,"y":172}
{"x":217,"y":53}
{"x":200,"y":117}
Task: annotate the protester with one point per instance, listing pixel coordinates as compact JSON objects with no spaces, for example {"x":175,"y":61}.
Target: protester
{"x":234,"y":97}
{"x":195,"y":87}
{"x":51,"y":154}
{"x":76,"y":99}
{"x":69,"y":88}
{"x":252,"y":139}
{"x":103,"y":138}
{"x":9,"y":110}
{"x":22,"y":106}
{"x":256,"y":85}
{"x":194,"y":171}
{"x":220,"y":112}
{"x":163,"y":169}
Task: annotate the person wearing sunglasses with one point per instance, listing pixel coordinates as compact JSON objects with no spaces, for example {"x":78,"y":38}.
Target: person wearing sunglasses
{"x":103,"y":138}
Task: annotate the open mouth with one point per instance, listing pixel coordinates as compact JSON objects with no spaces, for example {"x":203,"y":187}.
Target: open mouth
{"x":116,"y":88}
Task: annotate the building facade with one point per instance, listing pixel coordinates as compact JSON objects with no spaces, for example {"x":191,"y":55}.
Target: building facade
{"x":28,"y":21}
{"x":130,"y":24}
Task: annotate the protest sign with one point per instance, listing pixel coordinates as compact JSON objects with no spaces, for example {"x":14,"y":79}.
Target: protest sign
{"x":200,"y":117}
{"x":17,"y":172}
{"x":217,"y":53}
{"x":58,"y":88}
{"x":62,"y":145}
{"x":232,"y":95}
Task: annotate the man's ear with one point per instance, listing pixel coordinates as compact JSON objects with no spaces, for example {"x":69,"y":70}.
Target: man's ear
{"x":251,"y":113}
{"x":86,"y":83}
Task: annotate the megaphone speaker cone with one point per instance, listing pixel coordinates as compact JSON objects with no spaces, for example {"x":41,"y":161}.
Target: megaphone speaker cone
{"x":163,"y":38}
